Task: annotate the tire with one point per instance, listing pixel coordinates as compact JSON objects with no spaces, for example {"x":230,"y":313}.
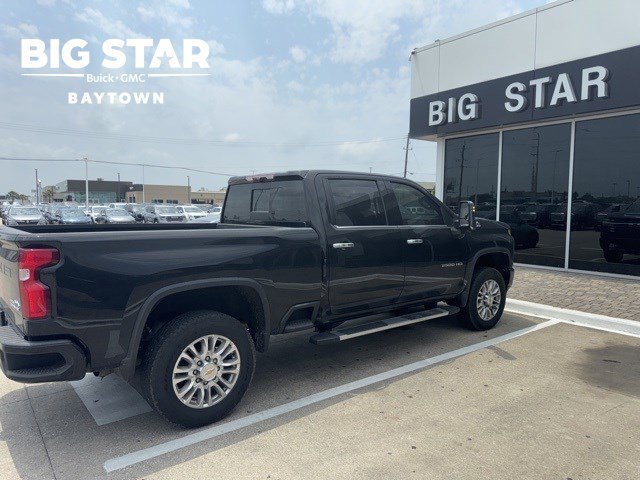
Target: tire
{"x":161,"y":358}
{"x":613,"y":256}
{"x":470,"y":312}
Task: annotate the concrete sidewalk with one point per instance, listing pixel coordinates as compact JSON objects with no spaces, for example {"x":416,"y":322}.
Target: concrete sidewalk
{"x":614,"y":297}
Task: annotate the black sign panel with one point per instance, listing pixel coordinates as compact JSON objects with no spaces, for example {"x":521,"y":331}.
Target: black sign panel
{"x":622,"y":90}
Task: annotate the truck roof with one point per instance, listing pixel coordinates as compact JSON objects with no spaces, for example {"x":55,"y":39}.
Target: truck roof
{"x":297,"y":174}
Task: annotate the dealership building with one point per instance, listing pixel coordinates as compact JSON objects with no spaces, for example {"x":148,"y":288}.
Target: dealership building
{"x":537,"y":121}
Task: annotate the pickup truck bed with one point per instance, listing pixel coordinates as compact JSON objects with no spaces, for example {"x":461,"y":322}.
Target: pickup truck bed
{"x":187,"y":304}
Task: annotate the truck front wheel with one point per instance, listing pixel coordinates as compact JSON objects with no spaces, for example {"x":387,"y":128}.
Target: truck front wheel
{"x":487,"y":296}
{"x":197,"y":368}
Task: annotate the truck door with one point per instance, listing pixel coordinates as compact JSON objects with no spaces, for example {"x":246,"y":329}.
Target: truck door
{"x":364,"y":252}
{"x":435,"y":253}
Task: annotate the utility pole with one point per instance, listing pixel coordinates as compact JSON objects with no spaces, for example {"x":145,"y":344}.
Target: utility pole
{"x":143,"y":199}
{"x":118,"y":194}
{"x":86,"y":182}
{"x":37,"y":189}
{"x":188,"y":189}
{"x":406,"y":156}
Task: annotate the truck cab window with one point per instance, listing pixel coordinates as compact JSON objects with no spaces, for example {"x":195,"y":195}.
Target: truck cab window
{"x":416,"y":208}
{"x":266,"y":204}
{"x":356,"y":203}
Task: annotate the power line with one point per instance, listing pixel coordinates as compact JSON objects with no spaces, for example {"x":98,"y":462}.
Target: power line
{"x":111,"y":162}
{"x":180,"y":141}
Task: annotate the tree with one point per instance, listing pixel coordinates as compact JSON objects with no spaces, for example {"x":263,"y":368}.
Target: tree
{"x":47,"y":193}
{"x":13,"y":195}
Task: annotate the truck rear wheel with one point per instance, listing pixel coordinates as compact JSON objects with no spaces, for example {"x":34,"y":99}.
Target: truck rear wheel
{"x":198,"y":367}
{"x":487,"y":296}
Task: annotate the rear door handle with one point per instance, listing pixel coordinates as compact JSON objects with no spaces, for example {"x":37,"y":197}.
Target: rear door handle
{"x":343,"y":245}
{"x":414,"y":241}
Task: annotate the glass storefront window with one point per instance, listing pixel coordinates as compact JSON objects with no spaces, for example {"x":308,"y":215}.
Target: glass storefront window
{"x":605,"y":216}
{"x":533,"y":192}
{"x":471,"y":172}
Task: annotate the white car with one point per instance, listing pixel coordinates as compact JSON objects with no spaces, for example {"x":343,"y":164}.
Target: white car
{"x":94,"y":212}
{"x":191,"y":212}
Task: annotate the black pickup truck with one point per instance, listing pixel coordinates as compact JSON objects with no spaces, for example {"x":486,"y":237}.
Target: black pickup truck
{"x":187,"y":305}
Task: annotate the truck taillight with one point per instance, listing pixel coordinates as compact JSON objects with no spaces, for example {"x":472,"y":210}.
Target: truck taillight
{"x":35,"y":297}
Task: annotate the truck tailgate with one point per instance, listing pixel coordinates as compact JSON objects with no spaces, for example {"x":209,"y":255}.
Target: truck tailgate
{"x":9,"y":288}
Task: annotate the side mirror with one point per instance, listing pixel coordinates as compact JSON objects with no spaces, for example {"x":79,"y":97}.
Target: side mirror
{"x":467,"y":215}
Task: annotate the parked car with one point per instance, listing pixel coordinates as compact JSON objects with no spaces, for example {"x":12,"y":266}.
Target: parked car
{"x":211,"y":218}
{"x":188,"y":305}
{"x":620,"y":233}
{"x":603,"y":214}
{"x":71,"y":216}
{"x":524,"y":235}
{"x":18,"y":215}
{"x":163,"y":214}
{"x":55,"y":216}
{"x":117,"y":205}
{"x":114,"y":215}
{"x":191,"y":212}
{"x":136,"y":211}
{"x":94,"y":212}
{"x":538,"y":214}
{"x":583,"y":215}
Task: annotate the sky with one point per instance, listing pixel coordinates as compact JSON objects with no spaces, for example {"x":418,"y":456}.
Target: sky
{"x":293,"y":84}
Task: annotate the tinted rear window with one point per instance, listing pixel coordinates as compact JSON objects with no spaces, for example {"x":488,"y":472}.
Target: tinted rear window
{"x":266,"y":203}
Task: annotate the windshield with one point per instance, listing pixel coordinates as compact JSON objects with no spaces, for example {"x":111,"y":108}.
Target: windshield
{"x":192,"y":210}
{"x":117,"y":212}
{"x":24,"y":211}
{"x":634,"y":207}
{"x":167,"y":210}
{"x":71,"y":213}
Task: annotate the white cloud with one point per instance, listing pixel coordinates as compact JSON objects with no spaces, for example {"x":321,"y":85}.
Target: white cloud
{"x":216,"y":48}
{"x":21,"y":31}
{"x":170,"y":12}
{"x":298,"y":54}
{"x":232,"y":137}
{"x":278,"y":7}
{"x":295,"y":86}
{"x":46,"y":3}
{"x":114,"y":28}
{"x":362,"y":29}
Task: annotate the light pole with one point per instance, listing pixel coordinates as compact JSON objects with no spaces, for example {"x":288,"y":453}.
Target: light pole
{"x":118,"y":194}
{"x":37,"y":190}
{"x":86,"y":181}
{"x":143,"y":199}
{"x":188,"y":189}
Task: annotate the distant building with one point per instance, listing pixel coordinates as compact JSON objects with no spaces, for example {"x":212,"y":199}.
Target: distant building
{"x":100,"y":191}
{"x":430,"y":186}
{"x":172,"y":194}
{"x":209,"y":196}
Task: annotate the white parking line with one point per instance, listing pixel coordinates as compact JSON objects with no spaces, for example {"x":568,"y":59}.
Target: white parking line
{"x":575,"y":317}
{"x":109,"y":399}
{"x":217,"y":430}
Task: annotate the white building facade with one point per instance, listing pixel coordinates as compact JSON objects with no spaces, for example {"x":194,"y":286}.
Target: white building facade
{"x":537,"y":120}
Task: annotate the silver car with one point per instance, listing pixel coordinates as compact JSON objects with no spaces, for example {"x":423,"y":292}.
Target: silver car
{"x":191,"y":212}
{"x":19,"y":215}
{"x":115,"y":215}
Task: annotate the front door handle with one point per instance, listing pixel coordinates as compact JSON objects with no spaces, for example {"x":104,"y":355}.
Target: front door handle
{"x":414,"y":241}
{"x":343,"y":245}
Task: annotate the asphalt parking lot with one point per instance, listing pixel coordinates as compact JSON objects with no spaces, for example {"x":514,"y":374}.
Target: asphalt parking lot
{"x":531,"y":398}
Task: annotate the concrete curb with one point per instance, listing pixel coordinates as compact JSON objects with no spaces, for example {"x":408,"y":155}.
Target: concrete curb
{"x":575,"y":317}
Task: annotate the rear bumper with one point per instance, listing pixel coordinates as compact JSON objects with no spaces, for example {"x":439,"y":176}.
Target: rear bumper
{"x":39,"y":361}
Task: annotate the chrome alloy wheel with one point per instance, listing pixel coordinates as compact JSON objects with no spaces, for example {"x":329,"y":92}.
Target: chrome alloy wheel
{"x":488,"y":300}
{"x":206,"y":371}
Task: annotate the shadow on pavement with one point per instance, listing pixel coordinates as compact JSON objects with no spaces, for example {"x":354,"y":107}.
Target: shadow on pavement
{"x":291,"y":369}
